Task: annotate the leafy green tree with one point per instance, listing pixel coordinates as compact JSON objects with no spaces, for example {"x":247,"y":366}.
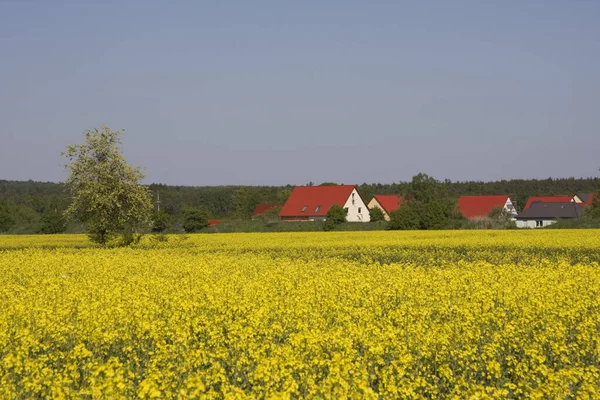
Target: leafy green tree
{"x":160,"y":221}
{"x":245,"y":201}
{"x":376,"y":214}
{"x":593,"y":210}
{"x":283,"y":195}
{"x":53,"y":219}
{"x":105,"y":192}
{"x":194,"y":220}
{"x":6,"y":219}
{"x":335,"y":216}
{"x":406,"y":217}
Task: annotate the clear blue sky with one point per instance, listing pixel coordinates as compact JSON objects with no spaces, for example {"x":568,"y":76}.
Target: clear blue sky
{"x":276,"y":92}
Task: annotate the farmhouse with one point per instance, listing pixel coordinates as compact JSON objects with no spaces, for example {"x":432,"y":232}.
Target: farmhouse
{"x":310,"y":203}
{"x":387,"y":204}
{"x":473,"y":207}
{"x":263,"y":208}
{"x":585,"y":199}
{"x":539,"y":214}
{"x":547,"y":199}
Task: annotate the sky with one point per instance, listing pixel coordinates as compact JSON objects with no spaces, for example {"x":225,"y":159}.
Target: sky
{"x":287,"y":92}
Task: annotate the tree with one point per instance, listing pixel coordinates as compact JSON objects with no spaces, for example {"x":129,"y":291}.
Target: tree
{"x":194,"y":220}
{"x":105,"y":192}
{"x":376,"y":214}
{"x":245,"y":201}
{"x":335,"y":216}
{"x":406,"y":217}
{"x":6,"y":219}
{"x":53,"y":219}
{"x":593,"y":210}
{"x":160,"y":221}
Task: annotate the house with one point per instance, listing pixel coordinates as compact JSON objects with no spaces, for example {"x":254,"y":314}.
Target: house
{"x":311,"y":203}
{"x":585,"y":199}
{"x":387,"y":203}
{"x":473,"y":207}
{"x":539,"y":214}
{"x":263,"y":208}
{"x":213,"y":222}
{"x":547,"y":199}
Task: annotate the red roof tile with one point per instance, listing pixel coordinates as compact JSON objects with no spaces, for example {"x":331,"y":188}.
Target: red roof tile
{"x":388,"y":202}
{"x":479,"y":206}
{"x":213,"y":222}
{"x":315,"y":201}
{"x":263,"y":208}
{"x":547,"y":199}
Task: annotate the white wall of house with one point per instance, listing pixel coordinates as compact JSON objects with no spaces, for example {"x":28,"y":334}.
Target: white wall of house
{"x":374,"y":203}
{"x":357,"y":209}
{"x":530,"y":223}
{"x":508,"y":206}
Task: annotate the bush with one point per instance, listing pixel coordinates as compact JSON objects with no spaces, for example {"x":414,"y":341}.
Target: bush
{"x":335,"y":215}
{"x":194,"y":220}
{"x":376,"y":214}
{"x":160,"y":221}
{"x":406,"y":217}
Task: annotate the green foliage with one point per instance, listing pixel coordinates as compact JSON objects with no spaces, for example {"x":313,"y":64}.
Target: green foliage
{"x":194,"y":220}
{"x":283,"y":195}
{"x":593,"y":210}
{"x":430,"y":205}
{"x":6,"y":219}
{"x":245,"y":201}
{"x":53,"y":219}
{"x":376,"y":214}
{"x":500,"y":214}
{"x":406,"y":217}
{"x":160,"y":221}
{"x":105,"y":192}
{"x":335,"y":215}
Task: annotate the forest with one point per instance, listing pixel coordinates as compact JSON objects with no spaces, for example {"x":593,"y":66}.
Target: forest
{"x":36,"y":207}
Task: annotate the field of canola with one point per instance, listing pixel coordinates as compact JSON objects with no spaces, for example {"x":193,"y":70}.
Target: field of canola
{"x":490,"y":314}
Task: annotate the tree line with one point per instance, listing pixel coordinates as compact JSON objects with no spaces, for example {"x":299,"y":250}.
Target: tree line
{"x":102,"y":193}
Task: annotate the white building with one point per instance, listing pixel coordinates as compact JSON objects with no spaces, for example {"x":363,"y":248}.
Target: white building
{"x":539,"y":215}
{"x":311,"y":203}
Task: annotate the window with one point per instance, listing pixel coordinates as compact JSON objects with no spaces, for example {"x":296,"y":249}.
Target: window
{"x":317,"y":208}
{"x":304,"y":209}
{"x":346,"y":209}
{"x":359,"y":210}
{"x":352,"y":201}
{"x":539,"y":223}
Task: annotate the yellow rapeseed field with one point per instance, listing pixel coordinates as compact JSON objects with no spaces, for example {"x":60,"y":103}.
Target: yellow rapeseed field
{"x":449,"y":314}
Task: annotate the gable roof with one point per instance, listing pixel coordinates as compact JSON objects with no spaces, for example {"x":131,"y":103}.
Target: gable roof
{"x":389,"y":202}
{"x":547,"y":199}
{"x":480,"y":206}
{"x":586,"y":198}
{"x":315,"y":201}
{"x":263,"y":208}
{"x":566,"y":210}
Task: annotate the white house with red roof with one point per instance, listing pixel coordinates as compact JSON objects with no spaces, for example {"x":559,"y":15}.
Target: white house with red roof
{"x":473,"y":207}
{"x":386,"y":202}
{"x":311,"y":203}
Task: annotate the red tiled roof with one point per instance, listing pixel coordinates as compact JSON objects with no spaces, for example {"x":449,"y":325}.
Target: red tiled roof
{"x":479,"y":206}
{"x":547,"y":199}
{"x":213,"y":222}
{"x":263,"y":208}
{"x":389,"y":202}
{"x":315,"y":200}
